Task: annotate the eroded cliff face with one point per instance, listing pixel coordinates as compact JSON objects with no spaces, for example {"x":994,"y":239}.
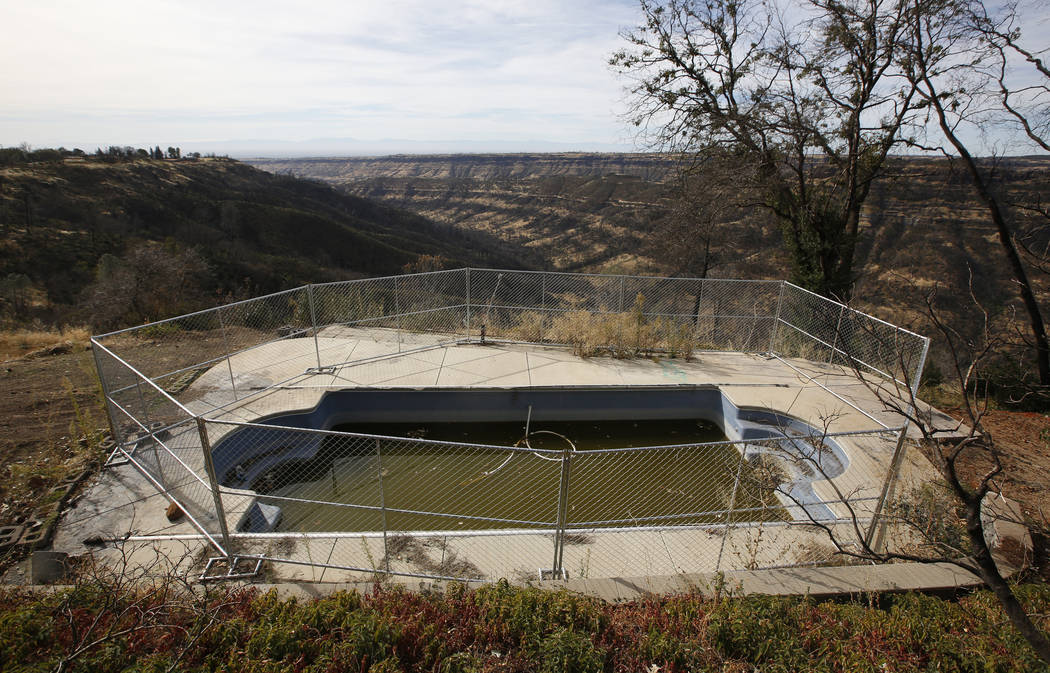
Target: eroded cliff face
{"x":649,"y":167}
{"x":579,"y":212}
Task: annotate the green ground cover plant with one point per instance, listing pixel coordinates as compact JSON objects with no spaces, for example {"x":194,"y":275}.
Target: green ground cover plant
{"x":128,"y":627}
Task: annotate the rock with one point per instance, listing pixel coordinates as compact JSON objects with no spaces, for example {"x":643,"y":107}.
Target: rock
{"x":58,"y":349}
{"x":1005,"y":532}
{"x":174,"y":512}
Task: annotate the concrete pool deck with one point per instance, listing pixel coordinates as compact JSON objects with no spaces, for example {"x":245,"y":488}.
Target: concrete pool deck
{"x":281,"y":377}
{"x":272,"y":379}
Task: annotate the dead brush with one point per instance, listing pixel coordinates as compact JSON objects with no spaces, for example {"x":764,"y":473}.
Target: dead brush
{"x":629,"y":334}
{"x":23,"y":342}
{"x":529,"y":326}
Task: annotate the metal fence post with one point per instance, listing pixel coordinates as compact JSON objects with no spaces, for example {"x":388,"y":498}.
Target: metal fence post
{"x":468,"y":302}
{"x":397,"y":310}
{"x":226,"y":345}
{"x":545,"y":316}
{"x":776,"y":320}
{"x":887,"y":489}
{"x":697,"y":307}
{"x":213,"y":482}
{"x":729,"y":511}
{"x":114,"y":435}
{"x":920,"y":367}
{"x":563,"y":506}
{"x":149,"y":431}
{"x":870,"y":538}
{"x":313,"y":320}
{"x":835,"y":339}
{"x":382,"y":503}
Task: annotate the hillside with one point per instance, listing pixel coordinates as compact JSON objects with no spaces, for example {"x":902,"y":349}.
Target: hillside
{"x":243,"y":230}
{"x":579,"y":212}
{"x":603,"y":212}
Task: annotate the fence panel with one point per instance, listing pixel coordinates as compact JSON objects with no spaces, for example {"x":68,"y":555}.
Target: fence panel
{"x":353,"y":302}
{"x":160,"y":438}
{"x":394,"y":505}
{"x":736,"y":315}
{"x":653,"y":511}
{"x":433,"y":305}
{"x":225,"y":344}
{"x":446,"y":504}
{"x":872,"y":346}
{"x":173,"y":350}
{"x":621,"y":314}
{"x":809,"y":325}
{"x":509,"y":304}
{"x":855,"y":346}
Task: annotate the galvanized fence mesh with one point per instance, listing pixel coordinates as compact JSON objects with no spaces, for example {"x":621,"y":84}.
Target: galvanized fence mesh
{"x":410,"y":506}
{"x":624,"y":315}
{"x":401,"y":313}
{"x":817,"y":329}
{"x":415,"y":507}
{"x":161,"y":438}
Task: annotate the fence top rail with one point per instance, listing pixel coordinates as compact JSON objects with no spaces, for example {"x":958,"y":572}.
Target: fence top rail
{"x":853,"y":310}
{"x":621,"y":275}
{"x":143,"y":377}
{"x":395,"y":277}
{"x":203,"y":311}
{"x":557,"y":452}
{"x":781,"y":283}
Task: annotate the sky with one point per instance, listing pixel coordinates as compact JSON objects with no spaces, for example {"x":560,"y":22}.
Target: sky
{"x":329,"y":77}
{"x":502,"y":74}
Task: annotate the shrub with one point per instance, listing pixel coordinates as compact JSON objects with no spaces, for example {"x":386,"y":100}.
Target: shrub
{"x":500,"y":627}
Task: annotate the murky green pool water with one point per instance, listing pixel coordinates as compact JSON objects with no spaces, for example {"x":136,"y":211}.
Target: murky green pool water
{"x":413,"y":485}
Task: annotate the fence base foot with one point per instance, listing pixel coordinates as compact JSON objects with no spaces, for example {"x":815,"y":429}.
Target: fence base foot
{"x":549,"y":574}
{"x":231,"y":568}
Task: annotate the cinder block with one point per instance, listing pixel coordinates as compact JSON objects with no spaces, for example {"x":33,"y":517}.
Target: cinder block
{"x":37,"y":533}
{"x":76,"y":479}
{"x":10,"y":536}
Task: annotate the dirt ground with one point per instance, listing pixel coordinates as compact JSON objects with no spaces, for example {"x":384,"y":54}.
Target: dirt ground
{"x":40,"y":438}
{"x":52,"y":414}
{"x":1024,"y":438}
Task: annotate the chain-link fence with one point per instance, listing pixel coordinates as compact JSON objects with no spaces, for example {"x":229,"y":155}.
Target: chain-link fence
{"x":456,"y":510}
{"x":624,"y":315}
{"x":370,"y":504}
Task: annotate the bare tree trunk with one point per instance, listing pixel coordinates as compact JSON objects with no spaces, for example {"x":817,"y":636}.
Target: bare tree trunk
{"x":1035,"y":316}
{"x":989,"y":572}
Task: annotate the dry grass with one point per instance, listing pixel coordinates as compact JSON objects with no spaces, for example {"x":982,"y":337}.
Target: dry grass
{"x":28,"y":343}
{"x":628,"y":334}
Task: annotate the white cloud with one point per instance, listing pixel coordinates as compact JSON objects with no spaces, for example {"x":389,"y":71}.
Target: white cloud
{"x":144,"y":71}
